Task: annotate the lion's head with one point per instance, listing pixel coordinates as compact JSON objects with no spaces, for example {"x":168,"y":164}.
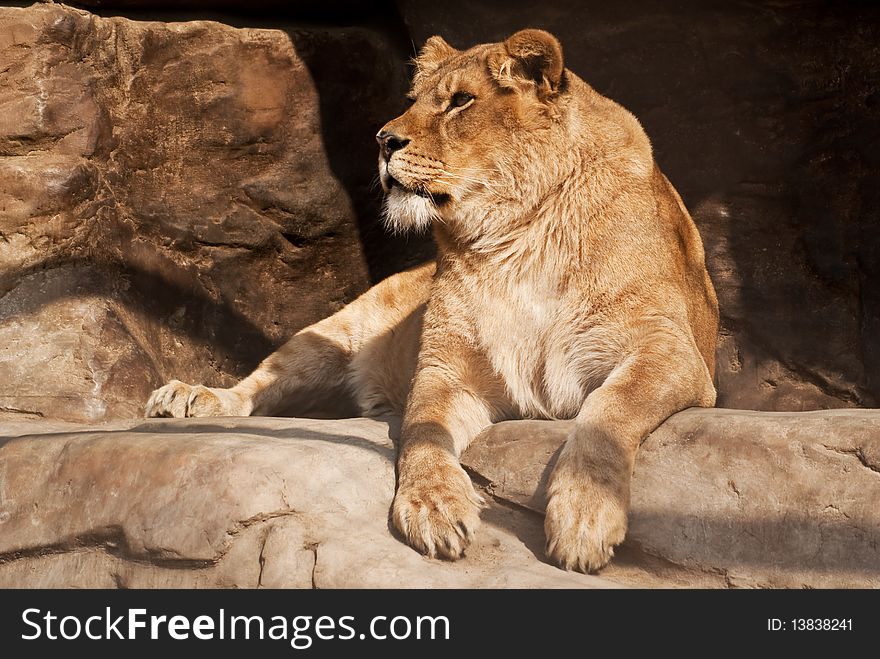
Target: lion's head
{"x":486,"y":130}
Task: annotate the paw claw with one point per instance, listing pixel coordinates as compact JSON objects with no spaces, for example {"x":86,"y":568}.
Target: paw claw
{"x":439,"y":513}
{"x":180,"y":400}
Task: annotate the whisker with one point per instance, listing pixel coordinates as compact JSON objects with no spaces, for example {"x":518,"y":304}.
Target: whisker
{"x":469,"y":179}
{"x":436,"y":216}
{"x":494,"y":193}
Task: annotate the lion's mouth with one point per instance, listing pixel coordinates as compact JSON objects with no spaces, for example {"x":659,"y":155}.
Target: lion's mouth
{"x":439,"y":198}
{"x":391,"y":182}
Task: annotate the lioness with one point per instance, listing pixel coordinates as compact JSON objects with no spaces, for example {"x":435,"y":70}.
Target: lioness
{"x":569,"y":283}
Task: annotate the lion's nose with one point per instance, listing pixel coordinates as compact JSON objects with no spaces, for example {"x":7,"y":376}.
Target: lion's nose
{"x":389,"y":143}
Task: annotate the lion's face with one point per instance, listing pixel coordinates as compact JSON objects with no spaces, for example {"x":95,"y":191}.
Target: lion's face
{"x":474,"y":130}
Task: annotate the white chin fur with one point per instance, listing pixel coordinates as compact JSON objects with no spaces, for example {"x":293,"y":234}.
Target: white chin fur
{"x":406,"y":211}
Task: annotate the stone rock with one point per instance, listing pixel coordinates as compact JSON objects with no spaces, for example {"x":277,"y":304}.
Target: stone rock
{"x":76,"y":356}
{"x":721,"y":498}
{"x":191,"y":193}
{"x":257,"y":502}
{"x":766,"y":119}
{"x":762,"y":499}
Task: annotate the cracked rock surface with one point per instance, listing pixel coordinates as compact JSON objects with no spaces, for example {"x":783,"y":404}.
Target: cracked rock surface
{"x":721,"y":498}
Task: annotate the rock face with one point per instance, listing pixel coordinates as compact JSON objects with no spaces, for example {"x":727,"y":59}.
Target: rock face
{"x":720,"y":499}
{"x":176,"y":199}
{"x":759,"y":499}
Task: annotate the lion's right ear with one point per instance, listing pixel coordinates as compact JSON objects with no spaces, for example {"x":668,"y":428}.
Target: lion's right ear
{"x":529,"y":58}
{"x":432,"y":55}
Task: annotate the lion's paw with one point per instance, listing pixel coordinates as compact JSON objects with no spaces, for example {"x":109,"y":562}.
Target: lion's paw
{"x":179,"y":400}
{"x":583,"y":523}
{"x":439,"y":512}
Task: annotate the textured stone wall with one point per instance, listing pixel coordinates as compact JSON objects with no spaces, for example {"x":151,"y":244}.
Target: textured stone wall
{"x":177,"y":196}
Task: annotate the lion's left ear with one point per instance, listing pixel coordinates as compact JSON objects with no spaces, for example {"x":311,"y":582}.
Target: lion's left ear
{"x":432,"y":55}
{"x":530,"y":57}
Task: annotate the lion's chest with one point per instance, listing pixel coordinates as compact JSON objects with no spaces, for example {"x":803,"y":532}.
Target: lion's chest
{"x":529,"y":335}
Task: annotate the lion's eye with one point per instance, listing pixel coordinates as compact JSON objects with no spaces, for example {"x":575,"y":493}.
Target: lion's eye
{"x":460,"y":99}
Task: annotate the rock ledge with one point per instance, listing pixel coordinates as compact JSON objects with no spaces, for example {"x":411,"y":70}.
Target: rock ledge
{"x":721,"y":498}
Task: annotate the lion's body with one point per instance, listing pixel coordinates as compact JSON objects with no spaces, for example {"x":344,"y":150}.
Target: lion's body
{"x":570,"y":282}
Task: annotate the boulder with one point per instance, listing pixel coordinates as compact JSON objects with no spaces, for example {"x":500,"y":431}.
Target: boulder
{"x":76,"y":355}
{"x":246,"y":503}
{"x":721,"y":498}
{"x":763,"y":499}
{"x":179,"y":198}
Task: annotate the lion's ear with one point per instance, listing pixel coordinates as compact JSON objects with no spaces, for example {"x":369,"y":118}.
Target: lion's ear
{"x":530,"y":57}
{"x":432,"y":55}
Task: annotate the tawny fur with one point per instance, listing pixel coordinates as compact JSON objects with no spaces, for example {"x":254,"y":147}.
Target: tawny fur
{"x":570,"y":282}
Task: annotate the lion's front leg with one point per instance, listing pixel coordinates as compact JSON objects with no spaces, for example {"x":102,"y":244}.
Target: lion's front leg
{"x":314,"y":362}
{"x":589,"y":490}
{"x":436,"y":507}
{"x":588,"y":498}
{"x":314,"y":359}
